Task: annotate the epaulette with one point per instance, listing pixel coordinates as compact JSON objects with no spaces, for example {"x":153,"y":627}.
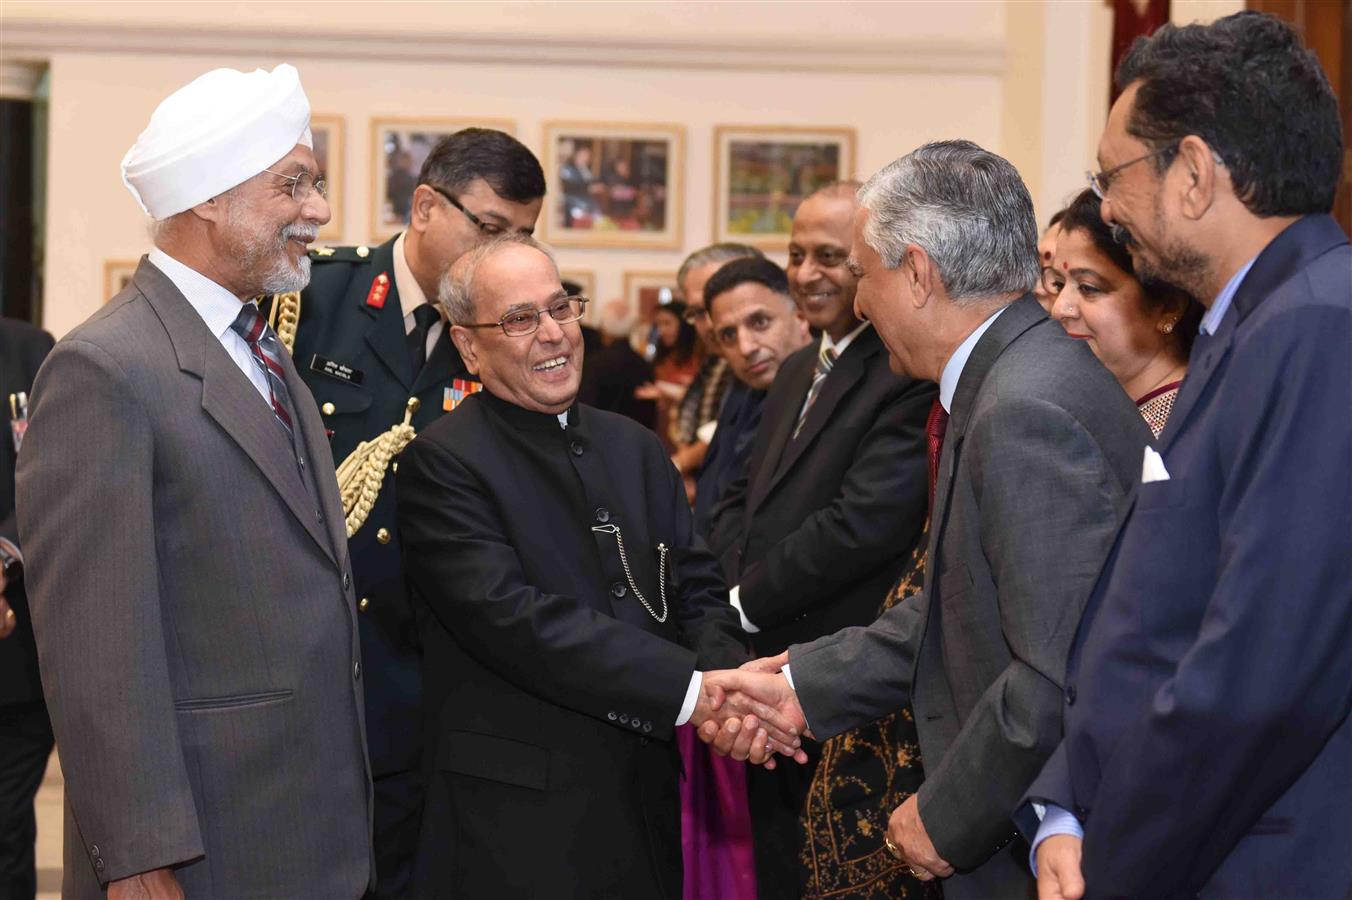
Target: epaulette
{"x":360,"y":253}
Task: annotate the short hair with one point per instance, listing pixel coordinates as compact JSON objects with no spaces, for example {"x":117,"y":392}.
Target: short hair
{"x":966,"y":207}
{"x":1247,"y":86}
{"x":723,"y":252}
{"x":508,"y":166}
{"x":745,"y":271}
{"x":456,"y":290}
{"x":1056,"y":218}
{"x":1083,"y":215}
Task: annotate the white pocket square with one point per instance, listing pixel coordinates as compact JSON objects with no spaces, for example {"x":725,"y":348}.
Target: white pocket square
{"x":1152,"y":467}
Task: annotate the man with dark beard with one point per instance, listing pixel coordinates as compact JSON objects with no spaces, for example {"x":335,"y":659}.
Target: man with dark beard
{"x":187,"y":569}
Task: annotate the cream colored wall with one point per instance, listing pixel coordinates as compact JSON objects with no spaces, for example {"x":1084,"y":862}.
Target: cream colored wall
{"x":1018,"y":77}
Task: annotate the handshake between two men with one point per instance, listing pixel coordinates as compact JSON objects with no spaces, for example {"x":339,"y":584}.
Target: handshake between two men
{"x":753,"y":714}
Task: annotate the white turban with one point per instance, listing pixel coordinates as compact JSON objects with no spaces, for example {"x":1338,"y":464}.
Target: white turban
{"x":218,"y":131}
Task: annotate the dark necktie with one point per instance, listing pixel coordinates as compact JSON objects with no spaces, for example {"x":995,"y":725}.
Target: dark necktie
{"x":251,"y":326}
{"x":826,"y":360}
{"x":935,"y":426}
{"x":424,"y":317}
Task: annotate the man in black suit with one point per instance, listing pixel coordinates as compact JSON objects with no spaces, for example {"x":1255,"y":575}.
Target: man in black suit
{"x":370,"y":345}
{"x":833,"y":503}
{"x":25,"y":730}
{"x":571,"y":611}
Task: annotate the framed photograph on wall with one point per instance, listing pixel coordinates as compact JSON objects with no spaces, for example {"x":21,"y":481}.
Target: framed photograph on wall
{"x":762,"y":173}
{"x":614,"y":185}
{"x":329,"y":133}
{"x":398,"y":148}
{"x":116,"y":274}
{"x":584,"y":278}
{"x":645,"y":291}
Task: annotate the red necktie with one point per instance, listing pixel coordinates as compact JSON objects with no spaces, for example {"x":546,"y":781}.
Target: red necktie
{"x":935,"y":426}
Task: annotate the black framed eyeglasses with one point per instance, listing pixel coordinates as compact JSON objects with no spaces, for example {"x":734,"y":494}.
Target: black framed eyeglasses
{"x":695,"y":314}
{"x":1099,"y":181}
{"x":489,"y":229}
{"x":521,"y":322}
{"x":303,"y":183}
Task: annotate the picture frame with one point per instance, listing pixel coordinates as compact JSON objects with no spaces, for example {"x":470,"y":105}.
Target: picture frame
{"x":398,"y":147}
{"x":330,"y":135}
{"x":762,"y":173}
{"x":584,"y":277}
{"x":643,"y":291}
{"x":614,"y":184}
{"x":116,"y":274}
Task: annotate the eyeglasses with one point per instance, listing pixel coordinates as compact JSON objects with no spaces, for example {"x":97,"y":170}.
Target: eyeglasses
{"x":488,"y":228}
{"x":1099,"y":181}
{"x":1052,"y":280}
{"x":521,"y":322}
{"x":695,"y":314}
{"x":303,"y":183}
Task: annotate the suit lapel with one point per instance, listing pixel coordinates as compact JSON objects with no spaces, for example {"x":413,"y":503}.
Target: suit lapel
{"x":844,"y":375}
{"x":229,"y":397}
{"x":797,"y":382}
{"x":313,"y":436}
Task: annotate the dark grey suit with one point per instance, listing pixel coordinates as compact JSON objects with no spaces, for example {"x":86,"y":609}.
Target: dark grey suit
{"x":195,"y":620}
{"x":1041,"y":451}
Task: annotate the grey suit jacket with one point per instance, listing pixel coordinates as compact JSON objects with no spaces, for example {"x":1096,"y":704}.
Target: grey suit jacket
{"x":1042,"y":448}
{"x":194,"y":615}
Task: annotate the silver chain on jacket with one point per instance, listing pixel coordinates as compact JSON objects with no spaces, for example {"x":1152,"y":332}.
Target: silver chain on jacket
{"x":629,"y":576}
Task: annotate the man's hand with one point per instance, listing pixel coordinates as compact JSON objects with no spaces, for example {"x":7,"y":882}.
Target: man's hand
{"x":913,"y":846}
{"x":8,"y":620}
{"x":1058,"y":868}
{"x":753,"y":741}
{"x":770,"y":664}
{"x":759,"y":700}
{"x":157,"y":884}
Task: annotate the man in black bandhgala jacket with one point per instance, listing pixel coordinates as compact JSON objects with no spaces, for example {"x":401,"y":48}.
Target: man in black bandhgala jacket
{"x":566,"y":607}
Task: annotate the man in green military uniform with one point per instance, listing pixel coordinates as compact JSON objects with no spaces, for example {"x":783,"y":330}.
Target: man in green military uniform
{"x":372,"y":347}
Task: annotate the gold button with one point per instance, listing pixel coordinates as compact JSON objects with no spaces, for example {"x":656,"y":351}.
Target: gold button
{"x":328,"y":409}
{"x":383,"y":535}
{"x":362,"y":604}
{"x":414,"y":404}
{"x":363,"y":251}
{"x":394,"y":467}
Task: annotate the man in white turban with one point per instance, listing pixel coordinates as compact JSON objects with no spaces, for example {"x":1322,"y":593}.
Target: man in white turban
{"x":185,"y":546}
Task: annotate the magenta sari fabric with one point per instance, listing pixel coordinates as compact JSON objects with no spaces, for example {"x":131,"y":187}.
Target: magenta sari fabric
{"x":715,"y":824}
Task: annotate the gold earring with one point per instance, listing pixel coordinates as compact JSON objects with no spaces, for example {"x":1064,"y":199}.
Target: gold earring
{"x":1166,"y":326}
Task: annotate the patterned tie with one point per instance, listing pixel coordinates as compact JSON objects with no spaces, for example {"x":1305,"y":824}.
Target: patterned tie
{"x":935,"y":426}
{"x":826,"y":359}
{"x":251,"y":326}
{"x":424,"y":317}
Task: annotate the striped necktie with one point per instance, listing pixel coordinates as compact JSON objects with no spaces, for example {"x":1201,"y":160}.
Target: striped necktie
{"x":826,"y":360}
{"x":251,"y":326}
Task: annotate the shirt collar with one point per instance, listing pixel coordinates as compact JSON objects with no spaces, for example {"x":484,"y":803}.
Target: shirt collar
{"x":839,"y":346}
{"x":948,"y":380}
{"x":411,"y":294}
{"x":1212,"y":320}
{"x":217,"y":306}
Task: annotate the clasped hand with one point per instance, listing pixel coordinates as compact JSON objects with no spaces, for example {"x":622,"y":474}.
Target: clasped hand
{"x":751,"y":713}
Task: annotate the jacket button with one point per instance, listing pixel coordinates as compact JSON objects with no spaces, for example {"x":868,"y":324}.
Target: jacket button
{"x":1070,"y":695}
{"x":319,"y":516}
{"x":363,"y":251}
{"x":98,"y":864}
{"x":94,"y":850}
{"x":383,"y":536}
{"x":327,"y":409}
{"x":647,"y":727}
{"x":603,"y":515}
{"x":611,"y":716}
{"x":576,"y":447}
{"x":624,"y":718}
{"x":618,"y":589}
{"x":356,"y":671}
{"x":347,"y":580}
{"x":363,"y":604}
{"x":636,"y":723}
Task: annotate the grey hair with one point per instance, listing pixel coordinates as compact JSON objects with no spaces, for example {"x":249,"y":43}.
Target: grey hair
{"x":455,"y":292}
{"x":966,"y":207}
{"x":714,"y":253}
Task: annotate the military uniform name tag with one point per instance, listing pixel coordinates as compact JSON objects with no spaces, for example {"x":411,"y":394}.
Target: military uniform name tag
{"x":336,"y":370}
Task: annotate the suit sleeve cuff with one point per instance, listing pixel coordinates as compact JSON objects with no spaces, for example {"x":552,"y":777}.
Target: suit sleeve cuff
{"x":734,"y":597}
{"x":1055,"y":820}
{"x":691,"y":698}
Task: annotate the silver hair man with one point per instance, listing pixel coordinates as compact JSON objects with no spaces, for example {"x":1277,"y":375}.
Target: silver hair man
{"x":966,"y":207}
{"x":456,"y":293}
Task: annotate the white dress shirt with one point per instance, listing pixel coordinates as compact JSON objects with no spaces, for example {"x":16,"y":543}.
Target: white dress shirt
{"x":411,"y":296}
